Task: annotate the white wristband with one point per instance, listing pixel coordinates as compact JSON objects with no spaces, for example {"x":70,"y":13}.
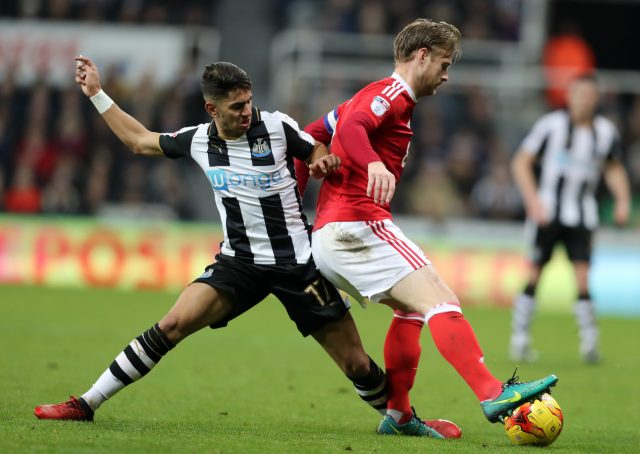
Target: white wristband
{"x":102,"y":101}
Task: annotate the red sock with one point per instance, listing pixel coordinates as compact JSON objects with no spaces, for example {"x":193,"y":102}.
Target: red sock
{"x":401,"y":356}
{"x":457,"y":343}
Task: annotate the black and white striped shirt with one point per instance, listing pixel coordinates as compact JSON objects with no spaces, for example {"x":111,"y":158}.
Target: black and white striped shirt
{"x":254,"y":185}
{"x":571,"y":160}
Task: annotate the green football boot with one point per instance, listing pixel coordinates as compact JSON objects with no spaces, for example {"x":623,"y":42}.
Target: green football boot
{"x":414,"y":427}
{"x":514,"y":394}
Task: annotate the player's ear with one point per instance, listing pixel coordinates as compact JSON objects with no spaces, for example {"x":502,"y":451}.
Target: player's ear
{"x":210,"y":107}
{"x":423,"y":53}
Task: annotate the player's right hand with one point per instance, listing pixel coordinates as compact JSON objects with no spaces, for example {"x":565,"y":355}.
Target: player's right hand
{"x":537,"y":212}
{"x":324,"y":165}
{"x":381,"y":184}
{"x":87,"y":76}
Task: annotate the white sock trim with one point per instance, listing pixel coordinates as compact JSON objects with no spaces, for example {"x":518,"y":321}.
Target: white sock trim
{"x":127,"y":367}
{"x":413,"y":316}
{"x":374,"y":403}
{"x":371,"y":392}
{"x":94,"y":398}
{"x":138,"y":350}
{"x":441,"y":309}
{"x":395,"y":414}
{"x":524,"y":307}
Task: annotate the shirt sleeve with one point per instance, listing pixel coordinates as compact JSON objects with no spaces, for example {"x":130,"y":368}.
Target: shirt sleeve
{"x":355,"y":131}
{"x":299,"y":143}
{"x":615,"y":150}
{"x":379,"y":108}
{"x":535,"y":140}
{"x":177,"y":144}
{"x":322,"y":129}
{"x":318,"y":131}
{"x":367,"y":114}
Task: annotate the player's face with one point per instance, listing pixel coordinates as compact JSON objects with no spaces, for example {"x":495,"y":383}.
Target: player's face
{"x":435,"y":71}
{"x":583,"y":99}
{"x":232,"y":114}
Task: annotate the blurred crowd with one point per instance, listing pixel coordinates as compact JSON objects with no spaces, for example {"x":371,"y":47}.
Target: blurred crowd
{"x":480,"y":19}
{"x":193,"y":12}
{"x":57,"y":156}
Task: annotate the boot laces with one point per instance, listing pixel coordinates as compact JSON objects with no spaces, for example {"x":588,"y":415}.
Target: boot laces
{"x":73,"y":403}
{"x":514,"y":380}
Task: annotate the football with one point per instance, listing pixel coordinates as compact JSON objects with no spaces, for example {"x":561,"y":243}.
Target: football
{"x":535,"y":423}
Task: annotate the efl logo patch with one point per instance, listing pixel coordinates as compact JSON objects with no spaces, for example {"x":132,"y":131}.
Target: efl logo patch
{"x":379,"y":106}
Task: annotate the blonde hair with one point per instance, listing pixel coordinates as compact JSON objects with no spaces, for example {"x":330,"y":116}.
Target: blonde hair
{"x":426,"y":33}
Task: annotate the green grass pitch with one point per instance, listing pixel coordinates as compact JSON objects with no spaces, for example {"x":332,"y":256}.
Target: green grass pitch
{"x":258,"y":387}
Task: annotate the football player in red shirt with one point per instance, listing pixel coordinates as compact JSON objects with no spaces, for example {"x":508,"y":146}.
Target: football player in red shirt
{"x":357,"y":246}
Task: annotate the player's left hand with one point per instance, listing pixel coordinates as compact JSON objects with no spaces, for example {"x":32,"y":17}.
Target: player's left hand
{"x":621,"y":213}
{"x":87,"y":76}
{"x":381,"y":183}
{"x":324,"y":165}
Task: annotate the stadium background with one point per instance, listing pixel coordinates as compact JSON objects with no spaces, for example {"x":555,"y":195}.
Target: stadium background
{"x":78,"y":209}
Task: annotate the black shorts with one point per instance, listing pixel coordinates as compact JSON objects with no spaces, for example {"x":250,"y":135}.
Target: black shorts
{"x":310,"y":300}
{"x":576,"y":241}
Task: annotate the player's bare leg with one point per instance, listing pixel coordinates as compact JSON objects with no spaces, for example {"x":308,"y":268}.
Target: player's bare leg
{"x":424,"y":291}
{"x":585,"y":315}
{"x":198,"y":306}
{"x":342,"y":342}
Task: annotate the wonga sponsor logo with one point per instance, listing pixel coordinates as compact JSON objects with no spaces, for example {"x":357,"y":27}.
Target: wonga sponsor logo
{"x":222,"y":180}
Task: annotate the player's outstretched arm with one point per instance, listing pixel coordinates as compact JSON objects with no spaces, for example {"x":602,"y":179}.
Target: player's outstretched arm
{"x":129,"y":130}
{"x":616,"y":179}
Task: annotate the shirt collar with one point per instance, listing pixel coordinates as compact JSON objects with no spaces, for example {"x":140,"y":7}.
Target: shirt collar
{"x":399,"y":78}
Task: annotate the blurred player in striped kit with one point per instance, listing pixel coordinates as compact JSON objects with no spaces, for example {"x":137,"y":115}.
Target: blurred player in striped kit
{"x":558,"y":168}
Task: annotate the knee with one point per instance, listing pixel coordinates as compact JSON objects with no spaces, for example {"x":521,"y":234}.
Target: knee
{"x":356,"y":366}
{"x":170,"y":327}
{"x":425,"y":307}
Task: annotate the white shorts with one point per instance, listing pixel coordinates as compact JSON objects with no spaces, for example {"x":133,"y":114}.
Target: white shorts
{"x":365,"y":258}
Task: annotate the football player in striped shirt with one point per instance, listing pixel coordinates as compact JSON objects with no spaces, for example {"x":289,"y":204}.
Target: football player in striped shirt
{"x":247,"y":156}
{"x":357,"y":246}
{"x":572,"y":149}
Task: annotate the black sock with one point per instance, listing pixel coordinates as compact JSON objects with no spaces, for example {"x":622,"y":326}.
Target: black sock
{"x":372,"y":388}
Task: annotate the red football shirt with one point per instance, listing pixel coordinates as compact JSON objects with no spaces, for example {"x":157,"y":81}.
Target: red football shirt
{"x":388,"y":105}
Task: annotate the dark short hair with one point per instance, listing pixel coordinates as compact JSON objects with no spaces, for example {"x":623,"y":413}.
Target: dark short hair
{"x":219,"y":78}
